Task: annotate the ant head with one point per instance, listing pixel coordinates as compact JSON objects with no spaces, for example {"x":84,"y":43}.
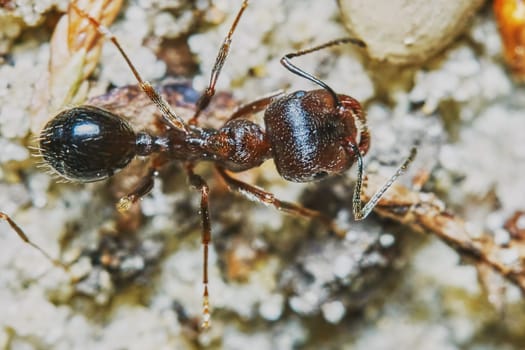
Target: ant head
{"x":308,"y":134}
{"x":87,"y":143}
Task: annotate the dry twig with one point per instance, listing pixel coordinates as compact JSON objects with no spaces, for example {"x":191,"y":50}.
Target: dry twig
{"x":424,"y":212}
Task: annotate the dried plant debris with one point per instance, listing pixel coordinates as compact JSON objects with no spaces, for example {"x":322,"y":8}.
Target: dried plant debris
{"x":76,"y":47}
{"x":510,"y":16}
{"x":425,"y":213}
{"x":74,"y":53}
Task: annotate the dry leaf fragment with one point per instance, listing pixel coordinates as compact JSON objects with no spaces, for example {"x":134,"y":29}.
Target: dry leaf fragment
{"x":74,"y":54}
{"x":76,"y":46}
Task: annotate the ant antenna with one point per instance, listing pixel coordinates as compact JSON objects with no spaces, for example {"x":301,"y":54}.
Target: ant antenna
{"x":168,"y":115}
{"x":359,"y":211}
{"x":285,"y":61}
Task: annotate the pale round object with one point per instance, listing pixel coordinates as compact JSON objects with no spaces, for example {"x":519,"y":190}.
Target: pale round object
{"x":404,"y":32}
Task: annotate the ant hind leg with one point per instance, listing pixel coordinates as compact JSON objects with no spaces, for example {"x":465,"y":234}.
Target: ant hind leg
{"x":143,"y":187}
{"x":200,"y":184}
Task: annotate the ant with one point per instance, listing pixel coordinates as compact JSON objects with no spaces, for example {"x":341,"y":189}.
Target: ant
{"x":308,"y":134}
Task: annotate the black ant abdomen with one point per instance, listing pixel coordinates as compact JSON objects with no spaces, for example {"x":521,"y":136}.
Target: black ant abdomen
{"x":87,"y":143}
{"x":309,"y":134}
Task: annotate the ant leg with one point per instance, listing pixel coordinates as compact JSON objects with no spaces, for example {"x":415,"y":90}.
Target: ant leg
{"x":168,"y":115}
{"x":285,"y":61}
{"x":205,"y":98}
{"x":23,"y":236}
{"x":361,"y":212}
{"x":254,"y":107}
{"x":267,"y":198}
{"x":144,"y":186}
{"x":200,"y":184}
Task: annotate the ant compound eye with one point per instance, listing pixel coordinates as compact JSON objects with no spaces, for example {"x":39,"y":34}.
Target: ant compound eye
{"x":87,"y":143}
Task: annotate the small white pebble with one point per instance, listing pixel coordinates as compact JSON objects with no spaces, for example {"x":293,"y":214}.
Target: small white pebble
{"x":333,"y":311}
{"x":105,"y":288}
{"x":501,"y":237}
{"x":513,"y":294}
{"x":386,"y":240}
{"x":272,"y":308}
{"x":12,"y":151}
{"x":342,"y":266}
{"x":133,"y":263}
{"x":520,"y":223}
{"x":304,"y":304}
{"x":494,"y":221}
{"x":449,"y":158}
{"x":509,"y":256}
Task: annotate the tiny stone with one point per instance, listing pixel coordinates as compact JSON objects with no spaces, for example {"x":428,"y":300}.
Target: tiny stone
{"x":343,"y":265}
{"x":304,"y":304}
{"x":386,"y":240}
{"x":513,"y":294}
{"x":272,"y":308}
{"x":520,"y":223}
{"x":494,"y":221}
{"x":509,"y":256}
{"x":134,"y":263}
{"x":333,"y":311}
{"x":501,"y":237}
{"x":409,"y":41}
{"x":12,"y":151}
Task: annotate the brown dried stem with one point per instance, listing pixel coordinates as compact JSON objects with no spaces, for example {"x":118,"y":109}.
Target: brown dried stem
{"x":424,"y":212}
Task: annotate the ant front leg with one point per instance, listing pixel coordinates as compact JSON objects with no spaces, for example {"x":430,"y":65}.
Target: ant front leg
{"x":18,"y":230}
{"x":360,"y":212}
{"x":267,"y":198}
{"x":205,"y":98}
{"x":168,"y":115}
{"x":200,"y":184}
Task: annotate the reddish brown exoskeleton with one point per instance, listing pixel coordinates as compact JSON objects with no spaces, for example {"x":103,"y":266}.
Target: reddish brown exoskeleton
{"x":308,"y":134}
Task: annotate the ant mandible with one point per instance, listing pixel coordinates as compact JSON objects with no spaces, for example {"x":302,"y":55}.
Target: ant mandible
{"x":308,"y":134}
